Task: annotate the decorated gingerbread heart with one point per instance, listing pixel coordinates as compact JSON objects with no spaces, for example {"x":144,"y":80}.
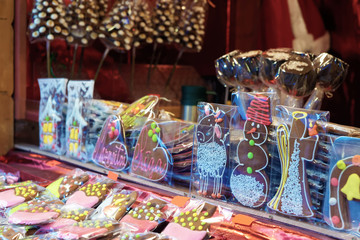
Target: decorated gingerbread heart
{"x":151,"y":159}
{"x":111,"y":150}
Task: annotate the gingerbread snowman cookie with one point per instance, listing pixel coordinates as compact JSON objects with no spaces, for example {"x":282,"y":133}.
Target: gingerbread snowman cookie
{"x":249,"y":182}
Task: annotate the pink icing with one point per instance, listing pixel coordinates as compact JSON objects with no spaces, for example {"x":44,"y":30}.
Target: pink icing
{"x":75,"y":232}
{"x":79,"y":197}
{"x":30,"y":218}
{"x":59,"y":223}
{"x":179,"y":232}
{"x":9,"y":199}
{"x":334,"y":182}
{"x":141,"y":225}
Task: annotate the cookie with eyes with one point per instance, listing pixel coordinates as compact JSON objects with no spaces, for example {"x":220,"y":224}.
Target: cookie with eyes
{"x":191,"y":224}
{"x":147,"y":215}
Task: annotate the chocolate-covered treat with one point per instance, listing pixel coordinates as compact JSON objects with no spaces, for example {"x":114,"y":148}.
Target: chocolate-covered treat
{"x":116,"y":28}
{"x":225,"y":70}
{"x":297,"y":145}
{"x":191,"y":224}
{"x":142,"y":23}
{"x":164,"y":21}
{"x":297,"y":77}
{"x":47,"y":20}
{"x":90,"y":195}
{"x":247,"y":66}
{"x":271,"y":60}
{"x":192,"y":26}
{"x":82,"y":18}
{"x":65,"y":186}
{"x":119,"y":205}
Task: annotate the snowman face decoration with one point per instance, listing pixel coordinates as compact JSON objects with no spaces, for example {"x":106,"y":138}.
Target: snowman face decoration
{"x":255,"y":131}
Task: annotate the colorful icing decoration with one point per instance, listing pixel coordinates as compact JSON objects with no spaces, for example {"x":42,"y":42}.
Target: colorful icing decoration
{"x":119,"y":205}
{"x":249,"y":182}
{"x":88,"y":229}
{"x":191,"y":224}
{"x":295,"y":146}
{"x":76,"y":124}
{"x":68,"y":218}
{"x":142,"y":236}
{"x":212,"y":134}
{"x":151,"y":158}
{"x":35,"y":212}
{"x":51,"y":119}
{"x":17,"y":195}
{"x":147,"y":215}
{"x":346,"y":172}
{"x":90,"y":195}
{"x":144,"y":107}
{"x":110,"y":150}
{"x":65,"y":186}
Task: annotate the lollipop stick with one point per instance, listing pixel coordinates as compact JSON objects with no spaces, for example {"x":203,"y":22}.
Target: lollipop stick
{"x":151,"y":63}
{"x":315,"y":100}
{"x":81,"y":61}
{"x":173,"y":69}
{"x":101,"y":63}
{"x":48,"y":58}
{"x":132,"y":69}
{"x":226,"y":94}
{"x":74,"y":60}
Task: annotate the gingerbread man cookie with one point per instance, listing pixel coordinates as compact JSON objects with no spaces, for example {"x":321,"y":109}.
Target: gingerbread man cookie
{"x":192,"y":224}
{"x":65,"y":186}
{"x":344,"y":188}
{"x":249,"y":182}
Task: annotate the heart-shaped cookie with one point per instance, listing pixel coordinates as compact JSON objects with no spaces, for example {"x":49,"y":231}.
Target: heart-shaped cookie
{"x":110,"y":150}
{"x":151,"y":158}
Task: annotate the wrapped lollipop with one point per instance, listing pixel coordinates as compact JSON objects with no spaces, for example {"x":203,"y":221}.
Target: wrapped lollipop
{"x":296,"y":79}
{"x":83,"y":18}
{"x":116,"y":29}
{"x":247,"y":66}
{"x":331,"y":72}
{"x":47,"y":23}
{"x":225,"y":71}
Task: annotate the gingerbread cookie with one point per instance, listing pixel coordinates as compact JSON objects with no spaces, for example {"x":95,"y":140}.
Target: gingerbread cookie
{"x":295,"y":146}
{"x":142,"y":236}
{"x":146,"y":216}
{"x":151,"y":159}
{"x":119,"y":205}
{"x":344,"y":188}
{"x":90,"y":195}
{"x":68,"y":218}
{"x":17,"y":195}
{"x":88,"y":229}
{"x":34,"y":212}
{"x":212,"y":135}
{"x":110,"y":150}
{"x":66,"y":185}
{"x":11,"y":232}
{"x":191,"y":224}
{"x":249,"y":182}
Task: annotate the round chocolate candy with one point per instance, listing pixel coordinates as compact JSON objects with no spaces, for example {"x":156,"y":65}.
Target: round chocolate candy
{"x":143,"y":29}
{"x":225,"y":70}
{"x":164,"y":21}
{"x":247,"y":69}
{"x":331,"y":71}
{"x":297,"y":77}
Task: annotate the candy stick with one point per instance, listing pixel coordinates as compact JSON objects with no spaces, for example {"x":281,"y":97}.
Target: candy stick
{"x":74,"y":60}
{"x":151,"y":63}
{"x":106,"y":52}
{"x":48,"y":58}
{"x":173,"y":69}
{"x":132,"y":69}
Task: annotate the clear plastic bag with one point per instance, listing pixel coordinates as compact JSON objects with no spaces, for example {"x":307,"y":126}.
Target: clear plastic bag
{"x":52,"y":114}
